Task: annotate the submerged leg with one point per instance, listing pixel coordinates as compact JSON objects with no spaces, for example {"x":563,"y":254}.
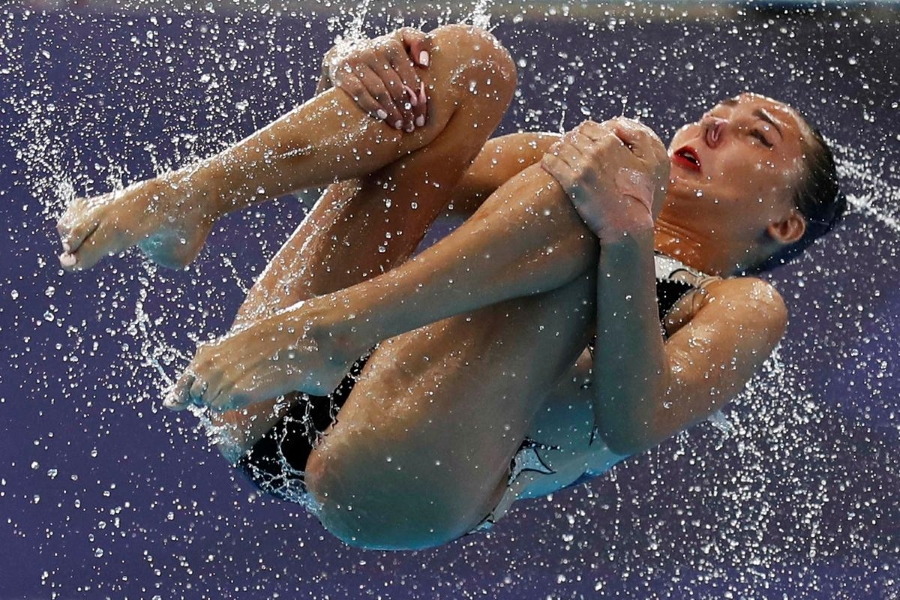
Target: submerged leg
{"x":325,"y":140}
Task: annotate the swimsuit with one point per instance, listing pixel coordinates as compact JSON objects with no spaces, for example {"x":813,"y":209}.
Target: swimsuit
{"x":276,"y":463}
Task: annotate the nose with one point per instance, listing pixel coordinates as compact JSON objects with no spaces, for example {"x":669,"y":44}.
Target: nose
{"x":714,"y":128}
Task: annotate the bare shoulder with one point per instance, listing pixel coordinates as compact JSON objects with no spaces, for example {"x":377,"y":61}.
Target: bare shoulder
{"x":748,"y":300}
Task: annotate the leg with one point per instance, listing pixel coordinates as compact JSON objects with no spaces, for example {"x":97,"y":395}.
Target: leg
{"x":368,"y":225}
{"x":526,"y":239}
{"x":325,"y":140}
{"x":422,"y":449}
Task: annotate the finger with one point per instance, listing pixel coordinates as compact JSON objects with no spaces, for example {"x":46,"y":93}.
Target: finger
{"x":420,"y":111}
{"x":383,"y":65}
{"x":632,"y":138}
{"x":409,"y":109}
{"x":639,"y":138}
{"x":560,"y":170}
{"x":418,"y":45}
{"x":401,"y":94}
{"x":406,"y":70}
{"x":353,"y":86}
{"x":582,"y":143}
{"x":375,"y":86}
{"x":570,"y":152}
{"x":595,"y":131}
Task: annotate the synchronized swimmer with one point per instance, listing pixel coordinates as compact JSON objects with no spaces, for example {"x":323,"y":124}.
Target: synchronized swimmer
{"x":596,"y":301}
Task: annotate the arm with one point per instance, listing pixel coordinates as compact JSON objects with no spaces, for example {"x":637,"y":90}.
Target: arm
{"x":647,"y":390}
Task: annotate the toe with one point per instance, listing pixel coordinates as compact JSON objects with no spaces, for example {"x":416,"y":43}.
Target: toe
{"x":104,"y":240}
{"x":198,"y":389}
{"x":76,"y":225}
{"x":178,"y":397}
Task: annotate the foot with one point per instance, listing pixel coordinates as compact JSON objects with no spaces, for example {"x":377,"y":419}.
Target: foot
{"x":267,"y":359}
{"x":164,"y":216}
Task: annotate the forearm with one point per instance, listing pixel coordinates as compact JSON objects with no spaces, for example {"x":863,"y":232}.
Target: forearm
{"x":630,"y":368}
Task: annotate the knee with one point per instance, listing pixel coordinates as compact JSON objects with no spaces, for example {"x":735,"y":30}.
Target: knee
{"x":477,"y":64}
{"x":368,"y":500}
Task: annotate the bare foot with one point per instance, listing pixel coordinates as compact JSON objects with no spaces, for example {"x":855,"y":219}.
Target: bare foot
{"x":168,"y":218}
{"x":267,"y":359}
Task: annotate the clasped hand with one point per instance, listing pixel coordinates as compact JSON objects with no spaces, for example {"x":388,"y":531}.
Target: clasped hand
{"x":615,"y":173}
{"x":381,"y":77}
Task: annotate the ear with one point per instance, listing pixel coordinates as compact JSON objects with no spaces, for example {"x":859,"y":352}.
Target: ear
{"x":788,"y":230}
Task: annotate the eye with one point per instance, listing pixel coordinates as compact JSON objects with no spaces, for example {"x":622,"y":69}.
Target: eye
{"x":762,"y":138}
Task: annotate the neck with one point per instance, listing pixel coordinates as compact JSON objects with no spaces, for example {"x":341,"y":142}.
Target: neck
{"x":695,"y":249}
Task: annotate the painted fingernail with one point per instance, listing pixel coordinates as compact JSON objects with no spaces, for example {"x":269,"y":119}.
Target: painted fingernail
{"x":398,"y":125}
{"x":67,"y":260}
{"x":410,"y":128}
{"x":424,"y":58}
{"x":66,"y":247}
{"x":422,"y":97}
{"x":412,"y":95}
{"x":420,"y":121}
{"x":381,"y":115}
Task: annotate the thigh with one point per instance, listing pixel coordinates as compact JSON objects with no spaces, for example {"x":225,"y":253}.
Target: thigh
{"x":358,"y":229}
{"x":422,"y":449}
{"x":363,"y":227}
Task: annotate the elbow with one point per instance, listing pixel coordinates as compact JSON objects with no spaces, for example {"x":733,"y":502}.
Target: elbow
{"x":626,"y":437}
{"x":628,"y":432}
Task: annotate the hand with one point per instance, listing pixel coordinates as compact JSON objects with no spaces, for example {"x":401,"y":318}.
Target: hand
{"x":380,"y":75}
{"x":616,"y":174}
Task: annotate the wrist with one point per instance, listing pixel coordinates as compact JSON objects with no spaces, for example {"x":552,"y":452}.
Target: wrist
{"x":637,"y":237}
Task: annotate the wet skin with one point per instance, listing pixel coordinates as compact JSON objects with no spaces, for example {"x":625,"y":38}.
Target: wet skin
{"x":308,"y":346}
{"x":750,"y":142}
{"x":738,"y":149}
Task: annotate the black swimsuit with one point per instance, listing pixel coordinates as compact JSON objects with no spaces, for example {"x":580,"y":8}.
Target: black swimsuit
{"x":276,"y":463}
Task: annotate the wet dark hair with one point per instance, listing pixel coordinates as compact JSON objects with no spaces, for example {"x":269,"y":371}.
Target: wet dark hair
{"x":818,"y":198}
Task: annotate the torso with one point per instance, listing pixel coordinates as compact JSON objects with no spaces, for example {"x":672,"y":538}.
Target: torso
{"x":562,"y":451}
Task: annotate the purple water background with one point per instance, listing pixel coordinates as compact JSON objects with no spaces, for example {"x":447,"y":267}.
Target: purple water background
{"x":103,"y":494}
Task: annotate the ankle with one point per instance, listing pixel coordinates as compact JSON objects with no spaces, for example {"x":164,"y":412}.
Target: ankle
{"x":197,"y":187}
{"x":342,"y":331}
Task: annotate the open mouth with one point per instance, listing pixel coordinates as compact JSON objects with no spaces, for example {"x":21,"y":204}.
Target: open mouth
{"x":687,"y":158}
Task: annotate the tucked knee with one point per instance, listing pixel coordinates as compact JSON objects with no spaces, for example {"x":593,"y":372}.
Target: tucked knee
{"x":479,"y":64}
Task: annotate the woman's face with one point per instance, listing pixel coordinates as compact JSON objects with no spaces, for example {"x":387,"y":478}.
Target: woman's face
{"x":741,"y":161}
